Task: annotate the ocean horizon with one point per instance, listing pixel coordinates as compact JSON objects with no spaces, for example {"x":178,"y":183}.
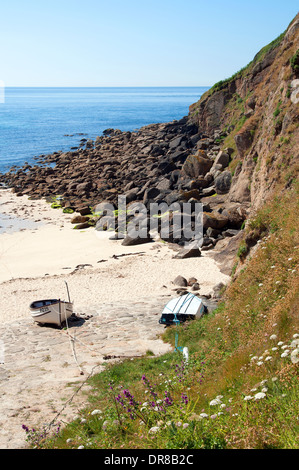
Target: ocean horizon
{"x":38,"y":121}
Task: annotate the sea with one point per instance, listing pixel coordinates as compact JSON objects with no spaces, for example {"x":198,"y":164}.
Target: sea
{"x":40,"y":121}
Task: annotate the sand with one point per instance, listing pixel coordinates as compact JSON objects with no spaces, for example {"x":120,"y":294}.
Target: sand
{"x":46,"y":251}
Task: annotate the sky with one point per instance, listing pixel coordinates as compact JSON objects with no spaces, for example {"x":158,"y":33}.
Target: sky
{"x":134,"y":43}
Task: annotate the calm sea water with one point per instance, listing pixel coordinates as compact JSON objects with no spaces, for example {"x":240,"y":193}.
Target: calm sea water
{"x":36,"y":121}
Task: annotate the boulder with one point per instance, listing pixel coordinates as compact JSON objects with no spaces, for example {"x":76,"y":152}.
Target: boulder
{"x":197,"y":165}
{"x":222,"y":159}
{"x":223,"y":182}
{"x":79,"y":219}
{"x":214,"y":220}
{"x":188,"y":253}
{"x":180,"y":281}
{"x":128,"y":241}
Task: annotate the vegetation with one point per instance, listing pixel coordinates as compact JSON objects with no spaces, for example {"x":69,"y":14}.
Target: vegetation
{"x":239,"y":386}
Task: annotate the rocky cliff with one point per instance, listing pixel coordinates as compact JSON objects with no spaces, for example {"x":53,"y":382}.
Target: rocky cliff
{"x":255,"y":114}
{"x":238,"y":145}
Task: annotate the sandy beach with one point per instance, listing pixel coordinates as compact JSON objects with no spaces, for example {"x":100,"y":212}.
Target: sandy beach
{"x":36,"y":260}
{"x":121,"y":297}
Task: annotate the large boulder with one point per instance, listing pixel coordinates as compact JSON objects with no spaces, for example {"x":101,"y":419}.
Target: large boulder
{"x":223,"y":182}
{"x":214,"y":220}
{"x":197,"y":165}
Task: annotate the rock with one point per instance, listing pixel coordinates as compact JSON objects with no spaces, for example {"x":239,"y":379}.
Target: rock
{"x":230,"y":232}
{"x":79,"y":219}
{"x":222,"y":159}
{"x":236,"y":216}
{"x":223,"y":182}
{"x":197,"y":165}
{"x":195,"y":286}
{"x":214,"y":220}
{"x":191,"y":281}
{"x":82,"y":226}
{"x":217,"y":290}
{"x":128,"y":241}
{"x":83,"y":210}
{"x":243,"y":141}
{"x":188,"y":253}
{"x":150,"y":193}
{"x":180,"y":281}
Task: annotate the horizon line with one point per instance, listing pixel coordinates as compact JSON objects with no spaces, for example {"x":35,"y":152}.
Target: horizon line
{"x":106,"y":86}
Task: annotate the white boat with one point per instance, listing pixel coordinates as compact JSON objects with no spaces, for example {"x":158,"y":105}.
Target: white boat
{"x":51,"y":311}
{"x":183,"y":308}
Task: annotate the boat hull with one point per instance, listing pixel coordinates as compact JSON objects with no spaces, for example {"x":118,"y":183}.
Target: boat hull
{"x":51,"y":311}
{"x":181,"y":309}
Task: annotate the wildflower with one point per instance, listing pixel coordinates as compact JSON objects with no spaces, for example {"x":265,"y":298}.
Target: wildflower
{"x":259,"y":395}
{"x":264,"y":390}
{"x":248,"y":397}
{"x":294,"y":356}
{"x":260,"y":363}
{"x":185,"y":425}
{"x":284,"y":354}
{"x":296,"y":335}
{"x":203,"y":415}
{"x":96,"y":412}
{"x":254,"y":358}
{"x":273,"y":337}
{"x":274,"y":379}
{"x":274,"y":349}
{"x":268,"y":358}
{"x":80,"y":447}
{"x":214,"y":402}
{"x":280,"y":343}
{"x":213,"y":416}
{"x":154,"y":430}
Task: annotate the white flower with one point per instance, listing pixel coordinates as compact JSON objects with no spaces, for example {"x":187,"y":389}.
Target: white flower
{"x":96,"y":412}
{"x":284,"y":347}
{"x":273,"y":337}
{"x":280,"y":343}
{"x":248,"y":397}
{"x":259,"y":395}
{"x":268,"y":358}
{"x":296,"y":335}
{"x":254,"y":358}
{"x":294,"y":343}
{"x":264,"y":390}
{"x":213,"y":416}
{"x":217,"y":401}
{"x":154,"y":430}
{"x":294,"y":356}
{"x":274,"y":379}
{"x":284,"y":354}
{"x":260,"y":363}
{"x":80,"y":447}
{"x":203,"y":415}
{"x":185,"y":425}
{"x":179,"y":424}
{"x":83,"y":420}
{"x":274,"y":349}
{"x":223,"y":405}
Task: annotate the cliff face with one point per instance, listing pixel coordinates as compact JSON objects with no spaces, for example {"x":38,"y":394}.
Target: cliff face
{"x":255,"y":114}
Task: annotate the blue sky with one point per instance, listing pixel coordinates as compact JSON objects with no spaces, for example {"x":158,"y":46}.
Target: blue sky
{"x":134,"y":43}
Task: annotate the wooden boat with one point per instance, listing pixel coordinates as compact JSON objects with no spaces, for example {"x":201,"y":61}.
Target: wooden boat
{"x":181,"y":309}
{"x":51,"y":311}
